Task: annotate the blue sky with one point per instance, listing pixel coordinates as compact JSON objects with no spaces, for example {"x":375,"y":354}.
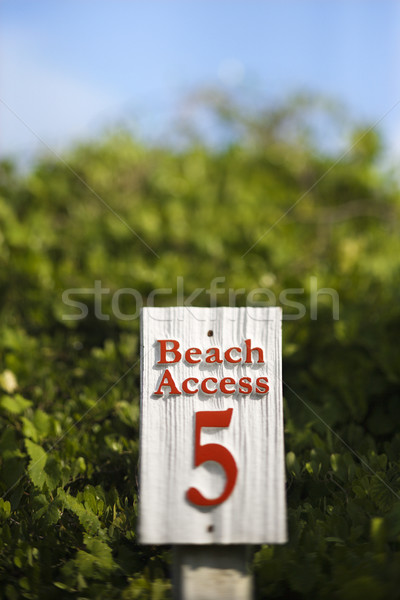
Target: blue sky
{"x":71,"y":67}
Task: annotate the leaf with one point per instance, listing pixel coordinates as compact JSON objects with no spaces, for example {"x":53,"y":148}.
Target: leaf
{"x":97,"y":561}
{"x":89,"y":521}
{"x":50,"y":513}
{"x":100,"y":550}
{"x":42,"y":422}
{"x":62,"y":586}
{"x":37,"y":463}
{"x":292,"y":464}
{"x":339,"y":467}
{"x":382,"y":492}
{"x":5,"y":509}
{"x":29,"y":430}
{"x":336,"y":540}
{"x":90,"y":499}
{"x":8,"y":381}
{"x":378,"y":532}
{"x":43,"y":468}
{"x":15,"y":404}
{"x":52,"y":472}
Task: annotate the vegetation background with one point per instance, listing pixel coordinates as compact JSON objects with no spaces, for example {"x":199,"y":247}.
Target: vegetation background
{"x":69,"y":403}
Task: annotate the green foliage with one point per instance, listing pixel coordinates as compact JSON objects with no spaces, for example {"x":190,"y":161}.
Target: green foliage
{"x":69,"y":389}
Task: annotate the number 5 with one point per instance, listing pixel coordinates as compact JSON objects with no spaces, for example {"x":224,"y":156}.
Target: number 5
{"x":215,"y":453}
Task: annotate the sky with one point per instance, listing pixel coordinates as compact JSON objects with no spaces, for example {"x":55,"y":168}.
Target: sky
{"x":71,"y":68}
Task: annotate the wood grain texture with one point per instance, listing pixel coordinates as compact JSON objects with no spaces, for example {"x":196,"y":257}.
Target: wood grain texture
{"x":212,"y":572}
{"x":256,"y":510}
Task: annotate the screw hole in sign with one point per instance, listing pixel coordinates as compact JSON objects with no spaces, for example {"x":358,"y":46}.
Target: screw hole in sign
{"x":215,"y":453}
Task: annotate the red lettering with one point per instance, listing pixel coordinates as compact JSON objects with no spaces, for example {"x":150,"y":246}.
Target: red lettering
{"x":228,"y":356}
{"x":204,"y":387}
{"x":224,"y":382}
{"x":249,"y":350}
{"x":167,"y":381}
{"x":164,"y":351}
{"x":185,"y":386}
{"x":213,"y":353}
{"x":215,"y":453}
{"x":190,"y":353}
{"x":264,"y":386}
{"x":245,"y":386}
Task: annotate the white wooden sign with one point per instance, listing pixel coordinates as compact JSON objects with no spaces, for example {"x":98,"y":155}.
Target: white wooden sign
{"x":211,"y":443}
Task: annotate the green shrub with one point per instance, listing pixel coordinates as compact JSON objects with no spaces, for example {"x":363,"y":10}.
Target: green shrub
{"x":69,"y":407}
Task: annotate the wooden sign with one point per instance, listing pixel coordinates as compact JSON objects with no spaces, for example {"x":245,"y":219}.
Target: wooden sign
{"x":211,"y":443}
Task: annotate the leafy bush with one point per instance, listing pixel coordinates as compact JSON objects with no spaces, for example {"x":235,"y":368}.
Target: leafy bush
{"x":69,"y":408}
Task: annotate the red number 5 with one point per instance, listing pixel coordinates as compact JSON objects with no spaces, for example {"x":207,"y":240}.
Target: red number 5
{"x":213,"y":452}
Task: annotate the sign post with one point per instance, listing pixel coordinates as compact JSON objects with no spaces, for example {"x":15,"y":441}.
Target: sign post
{"x":211,"y":443}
